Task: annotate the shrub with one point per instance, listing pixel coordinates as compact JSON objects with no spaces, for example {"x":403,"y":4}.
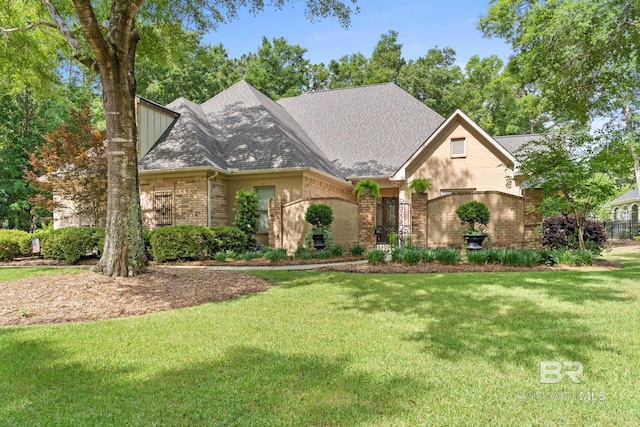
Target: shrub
{"x":319,"y":215}
{"x":412,"y":256}
{"x":99,"y":235}
{"x":561,"y":231}
{"x":220,"y":256}
{"x":69,"y":244}
{"x":393,"y":240}
{"x":247,"y":214}
{"x":14,"y":243}
{"x":475,"y":214}
{"x":357,"y":250}
{"x":428,"y":255}
{"x":182,"y":242}
{"x":477,"y":257}
{"x":583,"y":258}
{"x":448,"y":256}
{"x":323,"y":254}
{"x":376,"y":256}
{"x":562,"y":257}
{"x":275,"y":254}
{"x":336,"y":250}
{"x":303,"y":252}
{"x":229,"y":239}
{"x":396,"y":254}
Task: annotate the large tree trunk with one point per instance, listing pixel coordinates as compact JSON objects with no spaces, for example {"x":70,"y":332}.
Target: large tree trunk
{"x":124,"y":253}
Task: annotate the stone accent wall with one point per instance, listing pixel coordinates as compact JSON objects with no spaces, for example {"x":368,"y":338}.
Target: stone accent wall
{"x":288,"y":227}
{"x":419,"y":213}
{"x":367,"y":220}
{"x":189,"y":199}
{"x":314,"y":187}
{"x":506,"y":226}
{"x":532,"y":217}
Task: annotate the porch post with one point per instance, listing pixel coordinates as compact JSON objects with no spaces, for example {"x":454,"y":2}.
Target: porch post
{"x":367,"y":221}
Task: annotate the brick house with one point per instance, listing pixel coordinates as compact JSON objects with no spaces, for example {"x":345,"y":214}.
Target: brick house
{"x":317,"y":146}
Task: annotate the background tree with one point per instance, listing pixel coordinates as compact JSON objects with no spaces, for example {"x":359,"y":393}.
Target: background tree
{"x":583,"y":55}
{"x":72,"y":164}
{"x":386,"y":60}
{"x":104,"y":37}
{"x":347,"y":71}
{"x":573,"y":178}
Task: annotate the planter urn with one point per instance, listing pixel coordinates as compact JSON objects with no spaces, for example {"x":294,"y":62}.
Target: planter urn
{"x":319,"y":242}
{"x":474,"y":241}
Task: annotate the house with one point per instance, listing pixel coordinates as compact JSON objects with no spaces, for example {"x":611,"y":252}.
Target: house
{"x":316,"y":146}
{"x":624,"y":215}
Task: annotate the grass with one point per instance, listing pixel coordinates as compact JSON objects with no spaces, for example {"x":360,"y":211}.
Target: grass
{"x":345,"y":349}
{"x":7,"y":274}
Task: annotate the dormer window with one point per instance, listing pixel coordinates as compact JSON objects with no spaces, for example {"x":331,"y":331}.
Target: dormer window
{"x":458,"y":147}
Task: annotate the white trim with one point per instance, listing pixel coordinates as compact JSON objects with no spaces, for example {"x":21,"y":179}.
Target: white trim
{"x":400,"y":174}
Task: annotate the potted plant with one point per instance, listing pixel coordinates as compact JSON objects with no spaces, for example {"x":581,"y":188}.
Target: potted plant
{"x":320,"y":216}
{"x":420,"y":185}
{"x":476,"y":216}
{"x":366,"y":187}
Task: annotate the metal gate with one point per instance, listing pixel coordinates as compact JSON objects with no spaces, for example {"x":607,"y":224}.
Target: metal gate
{"x":393,"y":215}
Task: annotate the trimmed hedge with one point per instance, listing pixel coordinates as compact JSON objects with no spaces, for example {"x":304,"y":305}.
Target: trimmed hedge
{"x":182,"y":242}
{"x":69,"y":244}
{"x":229,"y":239}
{"x":14,"y":243}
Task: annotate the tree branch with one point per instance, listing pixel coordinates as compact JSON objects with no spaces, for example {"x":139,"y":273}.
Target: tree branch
{"x":8,"y":31}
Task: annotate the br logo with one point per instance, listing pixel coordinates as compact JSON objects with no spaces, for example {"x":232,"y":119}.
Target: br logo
{"x":552,"y":372}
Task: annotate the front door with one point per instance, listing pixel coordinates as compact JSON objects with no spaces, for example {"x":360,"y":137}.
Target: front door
{"x":386,"y":219}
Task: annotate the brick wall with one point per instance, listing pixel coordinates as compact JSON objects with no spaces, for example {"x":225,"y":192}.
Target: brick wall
{"x":315,"y":187}
{"x":218,"y":201}
{"x":419,"y":224}
{"x":189,"y":199}
{"x":288,"y":227}
{"x":367,"y":221}
{"x":532,"y":217}
{"x":506,"y":226}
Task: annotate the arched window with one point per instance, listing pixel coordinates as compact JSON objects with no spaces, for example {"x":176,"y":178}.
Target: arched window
{"x":616,"y":213}
{"x":634,"y":213}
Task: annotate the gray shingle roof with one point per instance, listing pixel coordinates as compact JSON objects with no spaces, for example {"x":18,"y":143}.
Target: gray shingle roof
{"x":253,"y":133}
{"x":514,"y":142}
{"x":366,"y":130}
{"x":629,"y":196}
{"x":189,"y":143}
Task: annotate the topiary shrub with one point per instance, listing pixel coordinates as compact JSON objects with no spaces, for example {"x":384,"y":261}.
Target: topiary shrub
{"x":561,"y":231}
{"x":319,"y":215}
{"x":475,"y":214}
{"x":229,"y":239}
{"x":14,"y":243}
{"x":69,"y":244}
{"x":182,"y":242}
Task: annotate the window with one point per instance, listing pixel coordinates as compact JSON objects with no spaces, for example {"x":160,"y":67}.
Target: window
{"x":264,"y":194}
{"x":163,"y":208}
{"x":458,"y":147}
{"x":456,"y":190}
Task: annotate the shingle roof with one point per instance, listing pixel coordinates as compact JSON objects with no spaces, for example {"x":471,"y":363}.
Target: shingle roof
{"x":629,"y":196}
{"x":189,"y":143}
{"x":366,"y":130}
{"x":253,"y":133}
{"x":514,"y":142}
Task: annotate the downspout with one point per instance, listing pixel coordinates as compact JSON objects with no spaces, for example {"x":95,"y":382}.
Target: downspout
{"x":209,"y":207}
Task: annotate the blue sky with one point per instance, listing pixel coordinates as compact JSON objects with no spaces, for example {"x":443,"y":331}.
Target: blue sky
{"x":421,"y":25}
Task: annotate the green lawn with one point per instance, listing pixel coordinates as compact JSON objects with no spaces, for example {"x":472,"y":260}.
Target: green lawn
{"x":338,"y":349}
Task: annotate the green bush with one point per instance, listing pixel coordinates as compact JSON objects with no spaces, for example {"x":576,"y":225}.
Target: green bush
{"x":228,"y":238}
{"x":356,"y":250}
{"x":412,"y":255}
{"x":303,"y":252}
{"x":99,"y":235}
{"x":182,"y":242}
{"x":448,"y":256}
{"x":396,"y":254}
{"x":220,"y":256}
{"x":477,"y":257}
{"x":428,"y":255}
{"x":319,"y":215}
{"x":69,"y":244}
{"x":336,"y":250}
{"x":562,"y":257}
{"x":475,"y":214}
{"x":376,"y":256}
{"x":247,"y":215}
{"x":323,"y":254}
{"x":277,"y":254}
{"x":14,"y":243}
{"x":585,"y":257}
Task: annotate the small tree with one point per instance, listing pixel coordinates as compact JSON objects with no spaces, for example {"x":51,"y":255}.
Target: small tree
{"x":247,"y":214}
{"x":574,"y":180}
{"x":320,"y":216}
{"x":367,"y":186}
{"x":476,"y":215}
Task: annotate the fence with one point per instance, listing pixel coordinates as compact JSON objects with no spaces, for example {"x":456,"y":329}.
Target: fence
{"x":622,"y":229}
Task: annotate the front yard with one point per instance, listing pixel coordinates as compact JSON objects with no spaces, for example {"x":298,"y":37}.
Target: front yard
{"x":330,"y":348}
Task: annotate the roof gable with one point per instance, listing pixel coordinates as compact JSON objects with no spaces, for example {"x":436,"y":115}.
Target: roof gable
{"x":188,"y":144}
{"x":630,"y":196}
{"x":365,"y":130}
{"x":501,"y":152}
